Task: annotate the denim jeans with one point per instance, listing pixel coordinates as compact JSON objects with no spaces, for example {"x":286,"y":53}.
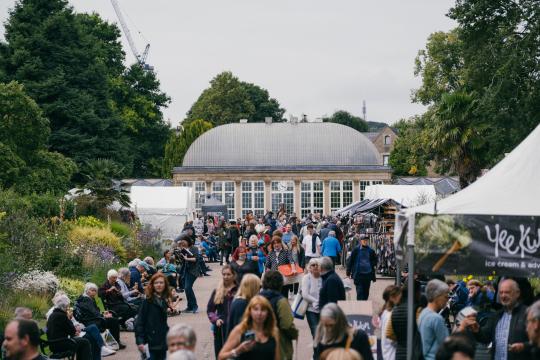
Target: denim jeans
{"x":313,"y":321}
{"x":190,"y":294}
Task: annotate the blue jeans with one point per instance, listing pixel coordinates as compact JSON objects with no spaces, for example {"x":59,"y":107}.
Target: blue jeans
{"x":313,"y":321}
{"x":190,"y":294}
{"x":96,"y":341}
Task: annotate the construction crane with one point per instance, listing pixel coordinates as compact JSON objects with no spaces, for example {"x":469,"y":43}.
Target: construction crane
{"x":141,"y":58}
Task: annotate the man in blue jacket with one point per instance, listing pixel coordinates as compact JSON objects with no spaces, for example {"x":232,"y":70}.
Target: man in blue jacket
{"x":331,"y":247}
{"x":361,"y":268}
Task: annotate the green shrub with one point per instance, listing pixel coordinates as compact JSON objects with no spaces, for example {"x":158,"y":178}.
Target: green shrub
{"x":39,"y":304}
{"x":120,"y":229}
{"x":84,"y":236}
{"x":72,"y":287}
{"x":22,"y":241}
{"x":89,"y":221}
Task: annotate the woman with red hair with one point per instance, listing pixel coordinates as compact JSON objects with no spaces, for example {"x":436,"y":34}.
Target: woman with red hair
{"x":151,"y":325}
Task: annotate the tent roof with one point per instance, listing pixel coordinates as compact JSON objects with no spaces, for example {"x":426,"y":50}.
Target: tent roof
{"x":212,"y":201}
{"x":510,"y":188}
{"x":364,"y":206}
{"x":407,"y":195}
{"x":159,"y":198}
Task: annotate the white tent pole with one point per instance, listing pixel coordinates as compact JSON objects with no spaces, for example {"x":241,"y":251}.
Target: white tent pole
{"x":410,"y":291}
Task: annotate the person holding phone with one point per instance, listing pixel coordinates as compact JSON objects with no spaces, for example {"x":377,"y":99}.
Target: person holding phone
{"x":256,"y":337}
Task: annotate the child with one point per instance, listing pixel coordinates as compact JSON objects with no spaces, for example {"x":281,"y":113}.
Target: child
{"x":174,"y":303}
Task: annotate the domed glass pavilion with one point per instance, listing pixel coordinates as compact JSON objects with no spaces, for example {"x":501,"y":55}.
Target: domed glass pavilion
{"x":310,"y":167}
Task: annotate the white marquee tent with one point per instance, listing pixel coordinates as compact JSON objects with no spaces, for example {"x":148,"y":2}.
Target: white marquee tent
{"x":499,"y":214}
{"x":163,"y":207}
{"x":407,"y":195}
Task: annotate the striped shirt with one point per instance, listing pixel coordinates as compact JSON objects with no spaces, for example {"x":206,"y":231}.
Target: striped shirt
{"x":501,"y":336}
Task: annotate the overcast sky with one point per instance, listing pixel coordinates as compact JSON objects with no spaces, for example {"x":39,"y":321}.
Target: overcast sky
{"x":313,"y":56}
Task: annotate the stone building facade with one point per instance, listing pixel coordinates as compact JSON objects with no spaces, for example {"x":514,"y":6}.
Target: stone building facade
{"x":383,"y":141}
{"x":309,"y":167}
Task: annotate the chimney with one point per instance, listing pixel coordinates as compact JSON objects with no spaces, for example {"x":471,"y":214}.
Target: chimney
{"x":243,"y":121}
{"x":268,"y":120}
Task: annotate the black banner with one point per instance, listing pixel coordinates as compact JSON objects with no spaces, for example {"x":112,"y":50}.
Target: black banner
{"x":478,"y":244}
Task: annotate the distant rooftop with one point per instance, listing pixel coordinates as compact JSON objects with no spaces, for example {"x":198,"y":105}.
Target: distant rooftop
{"x":443,"y":185}
{"x":281,"y":146}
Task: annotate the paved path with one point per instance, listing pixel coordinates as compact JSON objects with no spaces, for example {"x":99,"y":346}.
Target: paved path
{"x":205,"y":346}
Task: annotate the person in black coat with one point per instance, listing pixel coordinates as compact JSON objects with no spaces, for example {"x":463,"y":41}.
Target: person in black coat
{"x":151,"y":324}
{"x":362,"y":268}
{"x":87,"y":312}
{"x":59,"y":326}
{"x":332,"y":289}
{"x":514,"y":314}
{"x":334,"y":331}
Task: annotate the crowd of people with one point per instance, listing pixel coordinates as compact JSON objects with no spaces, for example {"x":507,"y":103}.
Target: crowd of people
{"x":267,"y":262}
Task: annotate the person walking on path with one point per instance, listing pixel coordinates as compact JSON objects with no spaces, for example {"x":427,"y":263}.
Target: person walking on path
{"x":188,"y":254}
{"x":311,"y":242}
{"x":361,"y":268}
{"x":331,"y":247}
{"x":256,"y":337}
{"x":151,"y":324}
{"x":391,"y":297}
{"x":311,"y":288}
{"x":334,"y":331}
{"x":431,"y":324}
{"x":219,"y":306}
{"x":248,"y":288}
{"x":272,"y":284}
{"x":280,"y":255}
{"x":332,"y":289}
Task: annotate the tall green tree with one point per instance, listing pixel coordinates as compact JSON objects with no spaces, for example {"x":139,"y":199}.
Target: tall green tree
{"x":409,"y":156}
{"x":345,"y":118}
{"x":228,"y":100}
{"x":501,"y":52}
{"x":481,"y":84}
{"x":25,"y":162}
{"x":457,"y":139}
{"x":99,"y":175}
{"x":139,"y":100}
{"x":65,"y":61}
{"x":178,"y":144}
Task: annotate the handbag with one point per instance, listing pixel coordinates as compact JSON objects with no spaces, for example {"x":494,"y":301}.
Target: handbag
{"x":286,"y":270}
{"x":109,"y":340}
{"x":299,"y":306}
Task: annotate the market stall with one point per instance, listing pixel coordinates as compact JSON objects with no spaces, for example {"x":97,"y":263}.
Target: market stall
{"x":375,"y":218}
{"x":214,"y":207}
{"x":490,"y":227}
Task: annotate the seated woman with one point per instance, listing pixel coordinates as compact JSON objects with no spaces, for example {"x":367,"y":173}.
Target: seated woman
{"x":132,"y":296}
{"x":91,"y":332}
{"x":87,"y":312}
{"x":111,"y":294}
{"x":256,"y":337}
{"x":59,"y":326}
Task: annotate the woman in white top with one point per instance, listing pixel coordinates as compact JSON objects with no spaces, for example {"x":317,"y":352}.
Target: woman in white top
{"x":391,"y":297}
{"x":311,"y":286}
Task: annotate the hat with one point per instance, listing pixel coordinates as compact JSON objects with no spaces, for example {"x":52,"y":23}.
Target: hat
{"x":260,"y":242}
{"x":145,"y":265}
{"x":363,"y":237}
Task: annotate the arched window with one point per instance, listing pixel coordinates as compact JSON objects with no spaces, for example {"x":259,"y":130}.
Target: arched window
{"x":387,"y":140}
